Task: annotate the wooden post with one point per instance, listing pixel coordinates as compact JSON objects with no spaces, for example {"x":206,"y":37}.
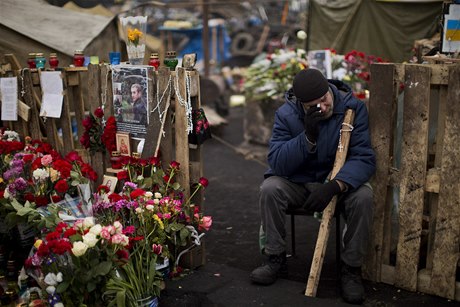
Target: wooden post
{"x":328,"y":214}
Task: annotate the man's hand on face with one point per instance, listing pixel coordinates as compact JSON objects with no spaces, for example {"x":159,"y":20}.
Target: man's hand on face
{"x":312,"y":117}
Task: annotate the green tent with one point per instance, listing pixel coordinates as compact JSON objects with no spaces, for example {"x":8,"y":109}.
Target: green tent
{"x":382,"y":28}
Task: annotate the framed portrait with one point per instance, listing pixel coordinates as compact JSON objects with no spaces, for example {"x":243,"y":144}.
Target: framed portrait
{"x":123,"y":143}
{"x":110,"y":182}
{"x":321,"y":60}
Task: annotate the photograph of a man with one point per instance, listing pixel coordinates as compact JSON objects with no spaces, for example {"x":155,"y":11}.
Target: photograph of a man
{"x":139,"y":104}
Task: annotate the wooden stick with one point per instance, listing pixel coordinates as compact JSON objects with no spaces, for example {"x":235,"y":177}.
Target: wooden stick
{"x":328,"y":214}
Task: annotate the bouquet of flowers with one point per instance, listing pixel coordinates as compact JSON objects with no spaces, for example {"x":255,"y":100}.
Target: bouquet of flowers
{"x":99,"y":136}
{"x":270,"y":77}
{"x":34,"y":176}
{"x":353,"y":68}
{"x":161,"y":221}
{"x":74,"y":263}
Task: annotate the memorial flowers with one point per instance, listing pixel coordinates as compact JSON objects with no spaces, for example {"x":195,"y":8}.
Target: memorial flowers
{"x":270,"y":77}
{"x":74,"y":263}
{"x":160,"y":219}
{"x":34,"y":176}
{"x":99,"y":136}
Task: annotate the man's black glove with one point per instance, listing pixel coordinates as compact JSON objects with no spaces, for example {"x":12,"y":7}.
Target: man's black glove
{"x":321,"y":195}
{"x":312,"y":117}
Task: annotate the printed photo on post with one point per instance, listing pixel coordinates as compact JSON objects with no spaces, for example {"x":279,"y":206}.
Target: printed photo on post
{"x":130,"y":100}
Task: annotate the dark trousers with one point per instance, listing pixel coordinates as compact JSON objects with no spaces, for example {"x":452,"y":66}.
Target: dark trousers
{"x":277,"y":194}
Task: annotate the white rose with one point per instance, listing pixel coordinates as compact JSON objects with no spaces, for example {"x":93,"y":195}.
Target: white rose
{"x":301,"y":34}
{"x":148,"y":194}
{"x":96,"y":229}
{"x":59,"y":277}
{"x":88,"y":222}
{"x":50,"y":290}
{"x":90,"y":239}
{"x":118,"y":227}
{"x":79,"y":248}
{"x":58,"y":305}
{"x":50,"y":279}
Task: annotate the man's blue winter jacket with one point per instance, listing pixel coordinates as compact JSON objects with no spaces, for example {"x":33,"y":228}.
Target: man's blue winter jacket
{"x":288,"y":154}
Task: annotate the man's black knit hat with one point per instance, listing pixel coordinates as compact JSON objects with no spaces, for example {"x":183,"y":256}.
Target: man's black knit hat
{"x":309,"y":84}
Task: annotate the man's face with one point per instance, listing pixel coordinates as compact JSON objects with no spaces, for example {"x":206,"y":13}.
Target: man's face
{"x":135,"y":94}
{"x":325,"y":103}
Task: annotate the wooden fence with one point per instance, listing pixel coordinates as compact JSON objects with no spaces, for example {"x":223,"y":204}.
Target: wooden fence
{"x":87,"y":88}
{"x":415,"y":129}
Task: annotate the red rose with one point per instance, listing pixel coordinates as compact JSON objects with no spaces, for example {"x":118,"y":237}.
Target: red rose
{"x":99,"y":113}
{"x":56,"y":198}
{"x":84,"y":140}
{"x":41,"y":201}
{"x":203,"y":182}
{"x":154,"y":161}
{"x":174,"y":165}
{"x":29,"y":197}
{"x":166,"y":178}
{"x":123,"y":254}
{"x":61,"y":186}
{"x":60,"y":227}
{"x":2,"y":193}
{"x":123,"y":175}
{"x":87,"y":122}
{"x":73,"y":156}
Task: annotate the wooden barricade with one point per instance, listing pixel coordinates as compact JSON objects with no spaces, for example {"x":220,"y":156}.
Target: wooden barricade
{"x":414,"y":115}
{"x":87,"y":88}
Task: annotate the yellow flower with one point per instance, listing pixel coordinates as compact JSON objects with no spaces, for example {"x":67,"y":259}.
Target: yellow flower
{"x":54,"y":175}
{"x":134,"y":35}
{"x":38,"y":243}
{"x":159,"y":221}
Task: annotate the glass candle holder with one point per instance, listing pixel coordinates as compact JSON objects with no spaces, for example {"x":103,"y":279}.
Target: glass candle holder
{"x":31,"y":60}
{"x":40,"y":60}
{"x":115,"y":160}
{"x":171,"y":60}
{"x":53,"y":60}
{"x":154,"y":60}
{"x":78,"y":58}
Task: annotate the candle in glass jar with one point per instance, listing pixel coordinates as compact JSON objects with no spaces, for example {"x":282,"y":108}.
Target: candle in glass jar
{"x":78,"y":58}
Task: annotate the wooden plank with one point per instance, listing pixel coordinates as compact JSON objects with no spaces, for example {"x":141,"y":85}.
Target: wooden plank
{"x":328,"y":213}
{"x":106,"y":90}
{"x":434,"y":197}
{"x":432,"y":181}
{"x":446,"y":242}
{"x":160,"y":95}
{"x":181,"y":136}
{"x":65,"y":121}
{"x":75,"y":94}
{"x":382,"y":107}
{"x":413,"y":172}
{"x":94,"y":90}
{"x":29,"y":99}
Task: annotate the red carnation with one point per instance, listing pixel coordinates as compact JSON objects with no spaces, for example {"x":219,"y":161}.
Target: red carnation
{"x":69,"y":232}
{"x":114,"y":197}
{"x":136,"y":193}
{"x":64,"y":167}
{"x":108,"y":136}
{"x":27,"y":158}
{"x":43,"y":250}
{"x":2,"y":193}
{"x":61,"y":186}
{"x":62,"y":246}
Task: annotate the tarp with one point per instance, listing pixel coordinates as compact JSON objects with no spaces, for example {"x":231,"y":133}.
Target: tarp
{"x":386,"y":29}
{"x":36,"y":26}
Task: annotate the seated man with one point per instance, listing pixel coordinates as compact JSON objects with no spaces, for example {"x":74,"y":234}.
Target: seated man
{"x":301,"y":155}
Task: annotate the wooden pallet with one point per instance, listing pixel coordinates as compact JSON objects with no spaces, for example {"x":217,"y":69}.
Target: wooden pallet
{"x":414,"y":114}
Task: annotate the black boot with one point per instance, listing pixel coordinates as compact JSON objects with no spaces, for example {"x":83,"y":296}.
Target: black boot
{"x":352,"y":285}
{"x":267,"y":273}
